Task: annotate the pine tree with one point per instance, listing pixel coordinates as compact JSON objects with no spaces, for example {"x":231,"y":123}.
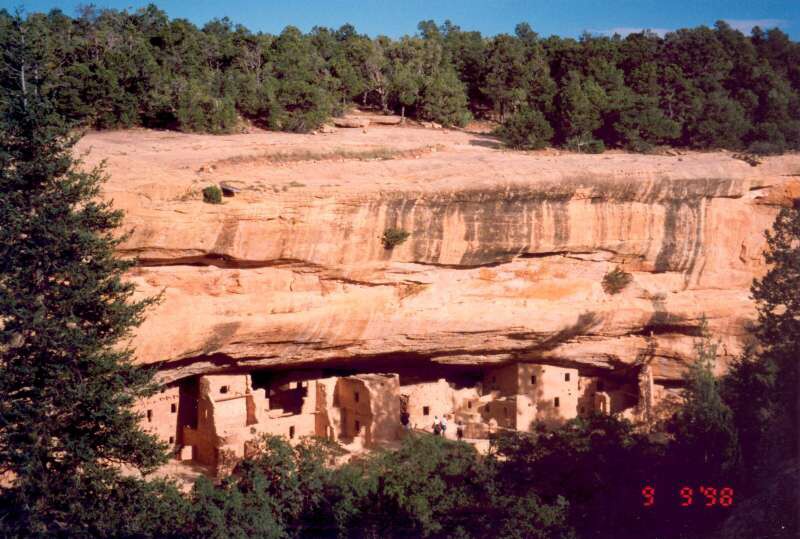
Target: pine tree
{"x":67,"y":383}
{"x":706,"y":443}
{"x":762,"y":391}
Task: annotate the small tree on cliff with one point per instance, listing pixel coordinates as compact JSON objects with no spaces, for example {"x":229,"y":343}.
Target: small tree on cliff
{"x":66,"y":383}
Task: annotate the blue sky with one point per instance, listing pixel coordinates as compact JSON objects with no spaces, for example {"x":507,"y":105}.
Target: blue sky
{"x":398,"y":17}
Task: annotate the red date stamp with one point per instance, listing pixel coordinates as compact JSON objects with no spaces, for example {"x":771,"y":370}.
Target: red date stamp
{"x":705,"y":496}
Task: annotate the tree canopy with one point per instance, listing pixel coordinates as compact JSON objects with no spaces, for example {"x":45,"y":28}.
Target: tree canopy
{"x":700,"y":87}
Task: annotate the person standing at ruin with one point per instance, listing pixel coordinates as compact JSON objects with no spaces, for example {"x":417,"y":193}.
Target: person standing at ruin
{"x":443,"y":425}
{"x":405,"y":419}
{"x":437,"y":426}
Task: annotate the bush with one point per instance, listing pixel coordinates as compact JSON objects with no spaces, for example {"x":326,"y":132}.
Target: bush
{"x":393,"y":237}
{"x":526,"y":130}
{"x":212,"y":194}
{"x":766,"y":148}
{"x":585,"y":144}
{"x":616,"y":280}
{"x":749,"y":158}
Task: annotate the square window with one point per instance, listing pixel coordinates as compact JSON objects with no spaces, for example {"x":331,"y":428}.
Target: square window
{"x":173,"y":408}
{"x":426,"y":410}
{"x":556,"y":402}
{"x":566,"y":377}
{"x":223,"y":389}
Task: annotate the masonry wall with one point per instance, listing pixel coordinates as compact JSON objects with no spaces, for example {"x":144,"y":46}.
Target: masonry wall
{"x":160,"y":414}
{"x":555,"y":392}
{"x":384,"y":402}
{"x":504,"y":380}
{"x":427,"y":400}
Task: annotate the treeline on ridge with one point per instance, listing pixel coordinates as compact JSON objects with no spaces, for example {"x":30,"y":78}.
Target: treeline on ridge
{"x":698,"y":88}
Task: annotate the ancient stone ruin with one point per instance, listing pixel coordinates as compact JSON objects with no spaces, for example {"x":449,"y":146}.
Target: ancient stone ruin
{"x":214,"y":419}
{"x":283,"y":312}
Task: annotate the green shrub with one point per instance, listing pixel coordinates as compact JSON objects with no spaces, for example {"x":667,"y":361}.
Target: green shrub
{"x":526,"y":130}
{"x":393,"y":236}
{"x":763,"y":147}
{"x":640,"y":146}
{"x":212,"y":194}
{"x":585,"y":144}
{"x":749,"y":158}
{"x":616,"y":280}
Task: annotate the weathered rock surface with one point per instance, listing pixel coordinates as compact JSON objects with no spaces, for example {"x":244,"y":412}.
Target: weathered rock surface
{"x":505,"y":259}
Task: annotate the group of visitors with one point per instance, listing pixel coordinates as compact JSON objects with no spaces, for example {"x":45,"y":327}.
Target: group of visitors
{"x":439,"y":424}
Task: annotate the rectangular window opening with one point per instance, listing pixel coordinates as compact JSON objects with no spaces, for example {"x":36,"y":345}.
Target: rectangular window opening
{"x":533,"y":380}
{"x":172,"y":439}
{"x":566,"y":377}
{"x":149,"y":416}
{"x":173,"y":408}
{"x":556,"y":402}
{"x":223,"y":389}
{"x":291,"y":431}
{"x":426,"y":410}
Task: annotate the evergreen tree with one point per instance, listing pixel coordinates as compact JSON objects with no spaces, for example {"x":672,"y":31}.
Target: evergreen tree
{"x":762,"y":390}
{"x":444,"y":99}
{"x":527,"y":129}
{"x":706,"y":443}
{"x":67,"y":384}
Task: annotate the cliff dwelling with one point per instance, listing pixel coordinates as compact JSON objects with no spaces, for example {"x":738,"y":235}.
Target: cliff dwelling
{"x":284,"y":312}
{"x":213,"y":419}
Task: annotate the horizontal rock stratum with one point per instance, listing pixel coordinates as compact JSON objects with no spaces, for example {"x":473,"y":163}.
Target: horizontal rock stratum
{"x":505,"y":258}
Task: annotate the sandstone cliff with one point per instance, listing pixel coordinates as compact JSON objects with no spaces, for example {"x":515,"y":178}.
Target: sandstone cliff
{"x":505,"y":258}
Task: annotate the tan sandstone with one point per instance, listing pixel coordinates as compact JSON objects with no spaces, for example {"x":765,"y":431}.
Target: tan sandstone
{"x":504,"y":263}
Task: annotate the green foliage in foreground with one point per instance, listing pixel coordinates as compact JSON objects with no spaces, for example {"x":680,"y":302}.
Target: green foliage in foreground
{"x":700,"y":87}
{"x":67,"y":382}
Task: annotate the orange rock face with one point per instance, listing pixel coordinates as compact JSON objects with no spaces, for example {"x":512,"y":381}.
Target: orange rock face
{"x":505,"y":259}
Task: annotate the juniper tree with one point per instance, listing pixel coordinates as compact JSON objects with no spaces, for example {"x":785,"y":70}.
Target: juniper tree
{"x":762,"y":387}
{"x":706,"y":443}
{"x":67,"y":381}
